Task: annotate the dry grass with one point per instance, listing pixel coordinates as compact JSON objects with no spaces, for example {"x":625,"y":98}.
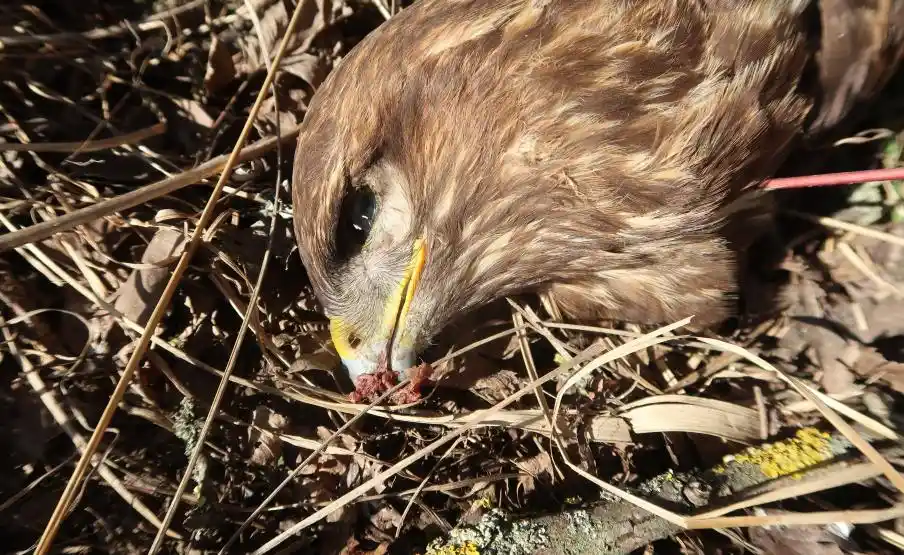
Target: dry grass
{"x":128,"y":281}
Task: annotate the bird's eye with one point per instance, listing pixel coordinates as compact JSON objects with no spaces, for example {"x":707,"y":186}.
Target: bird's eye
{"x":355,"y":221}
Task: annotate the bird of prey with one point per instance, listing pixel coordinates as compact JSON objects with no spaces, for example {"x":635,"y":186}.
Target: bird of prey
{"x":602,"y":153}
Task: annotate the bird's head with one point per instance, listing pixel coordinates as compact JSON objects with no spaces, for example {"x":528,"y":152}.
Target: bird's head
{"x":401,"y":212}
{"x":367,"y":253}
{"x":467,"y":151}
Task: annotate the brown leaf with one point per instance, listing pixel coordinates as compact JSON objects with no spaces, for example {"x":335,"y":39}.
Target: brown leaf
{"x":352,"y":548}
{"x":325,"y":465}
{"x":822,"y":330}
{"x":873,"y":365}
{"x":269,"y":23}
{"x":322,"y":479}
{"x":498,"y":386}
{"x":308,"y":67}
{"x":835,"y":361}
{"x":271,"y":118}
{"x":386,"y":519}
{"x":796,"y":540}
{"x":137,"y":297}
{"x":267,"y":446}
{"x":220,"y":67}
{"x":535,"y":467}
{"x":273,"y":17}
{"x":609,"y":429}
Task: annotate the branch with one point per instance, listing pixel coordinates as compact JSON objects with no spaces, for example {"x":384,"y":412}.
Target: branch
{"x":810,"y":462}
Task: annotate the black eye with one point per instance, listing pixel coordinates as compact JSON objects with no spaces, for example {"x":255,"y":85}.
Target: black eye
{"x":355,"y":220}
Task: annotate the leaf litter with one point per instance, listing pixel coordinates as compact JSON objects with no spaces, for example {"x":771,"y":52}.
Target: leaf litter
{"x":97,"y":108}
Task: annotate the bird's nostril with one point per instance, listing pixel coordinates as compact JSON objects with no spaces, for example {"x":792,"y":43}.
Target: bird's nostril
{"x":353,"y":340}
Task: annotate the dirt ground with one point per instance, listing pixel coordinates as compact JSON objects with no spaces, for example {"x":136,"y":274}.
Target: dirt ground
{"x":99,"y":99}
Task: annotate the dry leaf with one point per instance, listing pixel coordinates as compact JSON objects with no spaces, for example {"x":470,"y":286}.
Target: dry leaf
{"x":322,"y":479}
{"x":498,"y":385}
{"x":608,"y":429}
{"x":683,"y":413}
{"x":310,"y":68}
{"x":352,"y":548}
{"x":873,"y":365}
{"x":796,"y":540}
{"x":273,"y":17}
{"x":325,"y":465}
{"x":534,"y":467}
{"x":286,"y":117}
{"x":220,"y":67}
{"x":138,"y":295}
{"x":267,"y":445}
{"x":386,"y":519}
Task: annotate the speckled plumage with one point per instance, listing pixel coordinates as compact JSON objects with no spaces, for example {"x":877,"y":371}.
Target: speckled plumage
{"x":593,"y":151}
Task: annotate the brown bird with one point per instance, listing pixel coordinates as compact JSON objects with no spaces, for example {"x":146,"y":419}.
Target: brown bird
{"x":603,"y":153}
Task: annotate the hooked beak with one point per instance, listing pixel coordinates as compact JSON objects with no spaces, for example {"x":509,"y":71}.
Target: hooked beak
{"x":393,"y":343}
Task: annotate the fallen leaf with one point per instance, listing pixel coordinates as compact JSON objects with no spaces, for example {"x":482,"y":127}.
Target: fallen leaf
{"x":386,"y":519}
{"x":499,"y":385}
{"x":272,"y":22}
{"x":310,"y":68}
{"x":873,"y":365}
{"x":684,"y":413}
{"x":220,"y":67}
{"x":267,"y":445}
{"x":534,"y":467}
{"x":352,"y":548}
{"x":322,"y":480}
{"x":138,"y":295}
{"x":796,"y":540}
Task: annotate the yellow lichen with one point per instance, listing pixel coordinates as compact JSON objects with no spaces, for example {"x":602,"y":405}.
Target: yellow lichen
{"x":467,"y":548}
{"x":809,"y":447}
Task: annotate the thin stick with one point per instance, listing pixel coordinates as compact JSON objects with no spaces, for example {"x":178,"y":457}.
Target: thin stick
{"x":847,"y":226}
{"x":866,"y":516}
{"x":88,"y":145}
{"x":221,"y":387}
{"x":43,"y":230}
{"x":829,"y":179}
{"x":162,"y":304}
{"x":382,"y":8}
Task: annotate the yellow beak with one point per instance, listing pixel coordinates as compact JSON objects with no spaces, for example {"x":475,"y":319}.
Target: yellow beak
{"x":363,"y":357}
